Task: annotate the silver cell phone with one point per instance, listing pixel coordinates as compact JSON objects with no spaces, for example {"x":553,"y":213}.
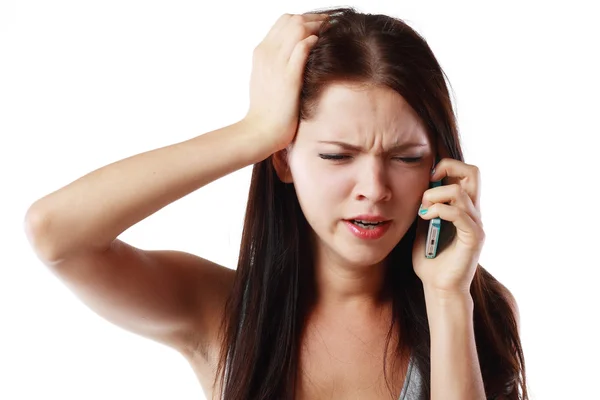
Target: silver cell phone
{"x":433,"y":233}
{"x":435,"y":225}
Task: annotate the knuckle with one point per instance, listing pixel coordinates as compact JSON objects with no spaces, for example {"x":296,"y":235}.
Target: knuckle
{"x":425,"y":196}
{"x":297,"y":19}
{"x":299,"y":31}
{"x":481,"y":235}
{"x":459,"y":212}
{"x":478,"y":216}
{"x":305,"y":46}
{"x":258,"y":53}
{"x":458,"y":190}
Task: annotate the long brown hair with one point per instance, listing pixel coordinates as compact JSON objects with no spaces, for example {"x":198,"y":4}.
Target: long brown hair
{"x":274,"y":286}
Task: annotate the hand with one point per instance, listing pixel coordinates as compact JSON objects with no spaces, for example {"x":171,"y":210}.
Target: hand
{"x":457,"y":201}
{"x":277,"y":73}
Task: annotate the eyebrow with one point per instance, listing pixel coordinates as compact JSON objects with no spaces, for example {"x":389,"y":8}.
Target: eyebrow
{"x":398,"y":147}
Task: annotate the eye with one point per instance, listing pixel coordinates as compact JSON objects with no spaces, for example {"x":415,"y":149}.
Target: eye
{"x":336,"y":157}
{"x":410,"y":160}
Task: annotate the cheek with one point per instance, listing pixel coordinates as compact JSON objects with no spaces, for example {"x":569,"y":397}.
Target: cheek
{"x":317,"y":193}
{"x":315,"y":205}
{"x":408,"y":190}
{"x":320,"y":195}
{"x":315,"y":181}
{"x":411,"y":185}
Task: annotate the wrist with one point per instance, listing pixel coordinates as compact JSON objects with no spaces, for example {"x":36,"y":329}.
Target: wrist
{"x":446,"y":296}
{"x":259,"y":139}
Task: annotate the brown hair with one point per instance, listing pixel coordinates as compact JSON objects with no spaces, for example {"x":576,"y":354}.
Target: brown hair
{"x":272,"y":293}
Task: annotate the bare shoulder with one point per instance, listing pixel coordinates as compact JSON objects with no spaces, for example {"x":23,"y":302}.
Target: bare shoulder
{"x":173,"y":297}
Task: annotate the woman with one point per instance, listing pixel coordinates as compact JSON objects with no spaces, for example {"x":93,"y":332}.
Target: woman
{"x":333,"y":296}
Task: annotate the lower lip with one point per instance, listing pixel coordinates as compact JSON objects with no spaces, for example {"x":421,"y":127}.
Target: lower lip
{"x":363,"y":233}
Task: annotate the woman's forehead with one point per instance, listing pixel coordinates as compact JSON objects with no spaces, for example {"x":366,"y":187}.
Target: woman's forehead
{"x":344,"y":109}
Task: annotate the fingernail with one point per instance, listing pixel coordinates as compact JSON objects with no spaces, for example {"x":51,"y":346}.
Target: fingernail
{"x":432,"y":171}
{"x":422,"y":210}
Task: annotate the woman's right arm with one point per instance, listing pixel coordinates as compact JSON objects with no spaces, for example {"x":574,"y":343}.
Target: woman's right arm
{"x":173,"y":297}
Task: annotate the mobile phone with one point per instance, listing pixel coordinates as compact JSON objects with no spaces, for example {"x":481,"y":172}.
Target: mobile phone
{"x":435,"y":226}
{"x":433,"y":233}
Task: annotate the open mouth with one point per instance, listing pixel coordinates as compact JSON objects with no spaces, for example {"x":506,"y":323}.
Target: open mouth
{"x":368,"y":225}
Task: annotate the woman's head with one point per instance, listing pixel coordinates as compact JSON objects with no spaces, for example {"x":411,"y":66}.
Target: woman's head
{"x":384,"y":173}
{"x":372,"y":82}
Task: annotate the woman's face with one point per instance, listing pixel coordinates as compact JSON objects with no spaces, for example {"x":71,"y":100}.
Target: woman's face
{"x":385,"y":172}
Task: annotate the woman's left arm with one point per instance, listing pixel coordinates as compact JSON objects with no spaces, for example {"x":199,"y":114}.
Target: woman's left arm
{"x":455,"y":372}
{"x":447,"y":278}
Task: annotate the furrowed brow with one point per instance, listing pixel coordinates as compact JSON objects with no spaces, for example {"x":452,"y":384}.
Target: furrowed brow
{"x":397,"y":147}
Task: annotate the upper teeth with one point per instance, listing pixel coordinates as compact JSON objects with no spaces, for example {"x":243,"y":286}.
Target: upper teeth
{"x":368,"y":222}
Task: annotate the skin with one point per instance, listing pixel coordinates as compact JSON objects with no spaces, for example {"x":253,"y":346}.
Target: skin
{"x":349,"y":270}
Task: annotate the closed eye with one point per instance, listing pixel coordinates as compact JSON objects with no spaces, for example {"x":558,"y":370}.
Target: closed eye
{"x":336,"y":157}
{"x":340,"y":157}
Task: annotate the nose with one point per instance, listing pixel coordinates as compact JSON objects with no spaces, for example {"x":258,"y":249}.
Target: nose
{"x":373,"y":182}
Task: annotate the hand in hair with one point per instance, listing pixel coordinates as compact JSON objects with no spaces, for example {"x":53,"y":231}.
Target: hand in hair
{"x":277,"y":68}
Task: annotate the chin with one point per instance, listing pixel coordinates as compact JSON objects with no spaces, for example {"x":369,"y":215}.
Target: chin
{"x":361,"y":257}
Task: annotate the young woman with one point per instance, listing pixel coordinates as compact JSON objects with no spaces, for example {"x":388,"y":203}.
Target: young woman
{"x":333,"y":296}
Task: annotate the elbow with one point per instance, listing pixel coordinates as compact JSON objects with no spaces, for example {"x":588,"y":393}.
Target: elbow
{"x":36,"y":224}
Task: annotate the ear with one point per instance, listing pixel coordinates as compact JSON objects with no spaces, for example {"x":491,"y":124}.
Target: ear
{"x":281,"y":165}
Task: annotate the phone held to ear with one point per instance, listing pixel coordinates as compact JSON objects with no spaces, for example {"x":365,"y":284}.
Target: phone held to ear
{"x":435,"y":226}
{"x":433,"y":233}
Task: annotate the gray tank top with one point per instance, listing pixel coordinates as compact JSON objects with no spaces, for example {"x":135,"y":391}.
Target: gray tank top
{"x":412,"y":389}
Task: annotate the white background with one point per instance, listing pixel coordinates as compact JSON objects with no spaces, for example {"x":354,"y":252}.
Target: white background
{"x":83,"y":84}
